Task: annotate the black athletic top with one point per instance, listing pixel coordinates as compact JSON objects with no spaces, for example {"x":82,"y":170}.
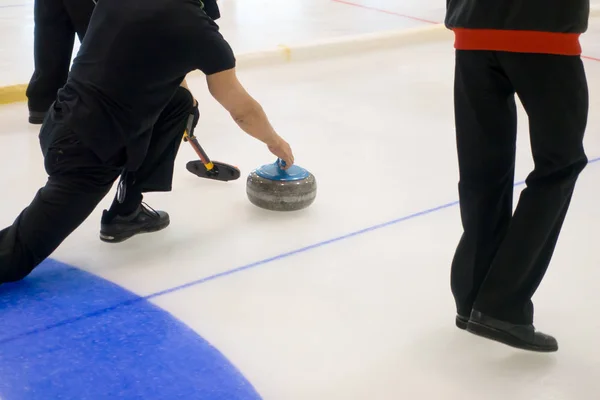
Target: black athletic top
{"x":526,"y":26}
{"x":133,"y":58}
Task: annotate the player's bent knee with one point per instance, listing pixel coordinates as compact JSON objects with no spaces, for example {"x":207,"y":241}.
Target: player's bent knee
{"x":183,"y":98}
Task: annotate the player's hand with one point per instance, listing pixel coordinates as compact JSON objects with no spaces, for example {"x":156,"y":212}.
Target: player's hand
{"x":282,"y":150}
{"x":196,"y":114}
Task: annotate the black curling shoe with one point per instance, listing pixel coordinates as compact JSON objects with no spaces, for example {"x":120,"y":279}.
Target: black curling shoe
{"x":523,"y":337}
{"x":143,"y":220}
{"x":461,"y":322}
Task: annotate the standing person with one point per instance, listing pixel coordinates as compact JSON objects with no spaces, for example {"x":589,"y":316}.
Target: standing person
{"x":123,"y":112}
{"x":530,"y":49}
{"x":56,"y":24}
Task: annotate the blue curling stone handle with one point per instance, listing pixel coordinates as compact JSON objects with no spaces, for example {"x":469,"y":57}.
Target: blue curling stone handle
{"x":275,"y":172}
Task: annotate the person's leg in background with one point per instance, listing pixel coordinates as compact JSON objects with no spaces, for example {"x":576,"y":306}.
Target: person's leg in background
{"x":211,"y":8}
{"x":554,"y":93}
{"x":80,"y":13}
{"x":56,"y":23}
{"x":128,"y":216}
{"x":77,"y":182}
{"x":486,"y":128}
{"x":53,"y":41}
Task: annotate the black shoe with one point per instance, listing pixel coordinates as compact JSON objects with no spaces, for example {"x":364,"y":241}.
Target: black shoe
{"x":522,"y":337}
{"x":461,"y":322}
{"x":36,"y":117}
{"x":143,"y":220}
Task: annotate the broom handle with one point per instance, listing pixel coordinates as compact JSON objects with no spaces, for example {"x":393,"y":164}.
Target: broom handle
{"x":196,"y":146}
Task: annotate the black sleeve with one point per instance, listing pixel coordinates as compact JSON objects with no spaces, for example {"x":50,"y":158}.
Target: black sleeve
{"x":212,"y":53}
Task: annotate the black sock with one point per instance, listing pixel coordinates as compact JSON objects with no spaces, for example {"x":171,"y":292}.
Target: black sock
{"x":128,"y":198}
{"x":130,"y":204}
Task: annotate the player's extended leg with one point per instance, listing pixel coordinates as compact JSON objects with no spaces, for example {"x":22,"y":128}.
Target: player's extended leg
{"x":128,"y":216}
{"x":77,"y":182}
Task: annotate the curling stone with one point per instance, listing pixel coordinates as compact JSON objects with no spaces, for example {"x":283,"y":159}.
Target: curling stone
{"x":273,"y":188}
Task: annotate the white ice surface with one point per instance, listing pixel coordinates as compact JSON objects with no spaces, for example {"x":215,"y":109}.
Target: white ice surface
{"x":365,"y":317}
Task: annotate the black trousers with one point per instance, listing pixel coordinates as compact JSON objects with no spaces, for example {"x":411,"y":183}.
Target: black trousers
{"x":56,"y":24}
{"x":78,"y":180}
{"x":502,"y":257}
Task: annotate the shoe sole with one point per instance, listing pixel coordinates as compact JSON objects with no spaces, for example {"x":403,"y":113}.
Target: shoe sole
{"x":505,"y":338}
{"x":461,"y":323}
{"x":128,"y":235}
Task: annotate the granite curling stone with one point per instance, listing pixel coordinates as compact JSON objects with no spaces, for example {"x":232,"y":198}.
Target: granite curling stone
{"x":273,"y":188}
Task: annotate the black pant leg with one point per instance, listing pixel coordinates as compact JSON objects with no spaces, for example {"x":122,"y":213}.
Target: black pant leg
{"x":554,"y":92}
{"x":485,"y":117}
{"x":54,"y":37}
{"x":156,"y":171}
{"x":77,"y":182}
{"x":80,"y":13}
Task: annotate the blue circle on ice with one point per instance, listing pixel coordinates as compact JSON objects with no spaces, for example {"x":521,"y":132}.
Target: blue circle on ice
{"x":68,"y":334}
{"x":274,"y":172}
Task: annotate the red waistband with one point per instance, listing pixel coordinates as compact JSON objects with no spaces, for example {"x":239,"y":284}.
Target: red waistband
{"x":518,"y":41}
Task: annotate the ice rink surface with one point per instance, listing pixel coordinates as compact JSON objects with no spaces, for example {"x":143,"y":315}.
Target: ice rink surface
{"x":348,"y":299}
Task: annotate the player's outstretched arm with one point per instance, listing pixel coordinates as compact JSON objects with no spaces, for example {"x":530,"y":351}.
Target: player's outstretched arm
{"x":247,"y":112}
